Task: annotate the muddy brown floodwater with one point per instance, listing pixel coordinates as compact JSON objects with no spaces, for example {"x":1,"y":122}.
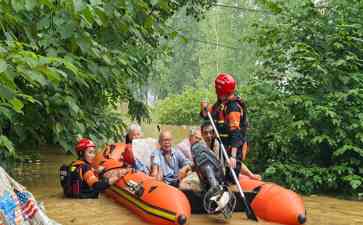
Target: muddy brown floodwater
{"x":41,"y":178}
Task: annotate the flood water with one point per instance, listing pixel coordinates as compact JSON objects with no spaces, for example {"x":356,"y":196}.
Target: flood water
{"x":41,"y":178}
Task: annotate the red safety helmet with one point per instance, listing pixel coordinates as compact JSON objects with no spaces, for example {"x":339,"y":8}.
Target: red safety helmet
{"x":225,"y":84}
{"x":83,"y":144}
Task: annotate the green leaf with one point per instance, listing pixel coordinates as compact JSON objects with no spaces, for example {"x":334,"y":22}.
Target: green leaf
{"x":122,"y":60}
{"x":270,"y":170}
{"x":67,"y":30}
{"x":81,"y":127}
{"x":101,"y":14}
{"x":48,"y":3}
{"x":71,"y":67}
{"x":184,"y":39}
{"x":149,"y":22}
{"x":58,"y":128}
{"x":17,"y":5}
{"x":36,"y":76}
{"x":44,"y":23}
{"x":52,"y":75}
{"x":6,"y":92}
{"x":355,"y":183}
{"x":85,"y":44}
{"x":107,"y":59}
{"x":173,"y":34}
{"x":4,"y":141}
{"x":61,"y":72}
{"x":154,"y":2}
{"x":74,"y":107}
{"x":6,"y":112}
{"x":95,"y":2}
{"x":164,"y":4}
{"x":30,"y":4}
{"x":28,"y":98}
{"x":3,"y":50}
{"x":348,"y":147}
{"x":78,"y":5}
{"x":17,"y":105}
{"x":3,"y":66}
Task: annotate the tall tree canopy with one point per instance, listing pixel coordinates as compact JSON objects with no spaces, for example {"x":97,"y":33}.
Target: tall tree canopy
{"x":65,"y":64}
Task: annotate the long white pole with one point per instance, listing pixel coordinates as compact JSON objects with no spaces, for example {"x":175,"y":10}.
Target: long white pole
{"x":249,"y":212}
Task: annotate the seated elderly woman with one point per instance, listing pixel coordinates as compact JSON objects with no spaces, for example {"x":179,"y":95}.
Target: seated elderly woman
{"x":133,"y":132}
{"x":124,"y":153}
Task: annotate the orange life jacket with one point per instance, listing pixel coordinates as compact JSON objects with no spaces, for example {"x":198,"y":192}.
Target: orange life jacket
{"x":221,"y":117}
{"x":77,"y":180}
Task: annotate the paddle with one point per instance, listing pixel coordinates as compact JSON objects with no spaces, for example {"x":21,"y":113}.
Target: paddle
{"x":249,"y":212}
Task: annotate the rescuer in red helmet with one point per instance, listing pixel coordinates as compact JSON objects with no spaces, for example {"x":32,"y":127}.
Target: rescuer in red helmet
{"x":79,"y":179}
{"x":230,"y":116}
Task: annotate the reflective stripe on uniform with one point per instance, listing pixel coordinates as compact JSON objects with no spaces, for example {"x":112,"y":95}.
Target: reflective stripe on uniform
{"x":234,"y":119}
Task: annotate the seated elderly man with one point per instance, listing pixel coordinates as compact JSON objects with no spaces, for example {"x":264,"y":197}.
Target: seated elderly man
{"x":185,"y":145}
{"x":168,"y":164}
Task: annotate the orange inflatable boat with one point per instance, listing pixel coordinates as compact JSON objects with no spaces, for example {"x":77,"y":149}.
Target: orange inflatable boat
{"x":152,"y":200}
{"x":146,"y":197}
{"x":114,"y":151}
{"x":269,"y":201}
{"x":274,"y":203}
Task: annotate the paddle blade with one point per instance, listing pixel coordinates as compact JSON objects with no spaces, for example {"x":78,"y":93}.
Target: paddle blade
{"x":251,"y":214}
{"x":249,"y":198}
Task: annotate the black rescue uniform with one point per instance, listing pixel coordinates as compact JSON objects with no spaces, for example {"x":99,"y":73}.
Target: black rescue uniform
{"x":230,"y":118}
{"x":78,"y":180}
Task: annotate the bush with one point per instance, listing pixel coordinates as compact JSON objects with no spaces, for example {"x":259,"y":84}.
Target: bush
{"x":182,"y":109}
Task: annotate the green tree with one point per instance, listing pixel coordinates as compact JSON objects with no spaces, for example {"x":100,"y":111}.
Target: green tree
{"x":65,"y":65}
{"x":204,"y":47}
{"x":307,"y":100}
{"x":179,"y":68}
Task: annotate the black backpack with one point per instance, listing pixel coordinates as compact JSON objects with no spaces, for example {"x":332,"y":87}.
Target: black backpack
{"x":70,"y":180}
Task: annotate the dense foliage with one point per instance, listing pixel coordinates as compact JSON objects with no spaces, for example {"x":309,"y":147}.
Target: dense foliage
{"x":66,"y":64}
{"x":306,"y":97}
{"x":308,"y":130}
